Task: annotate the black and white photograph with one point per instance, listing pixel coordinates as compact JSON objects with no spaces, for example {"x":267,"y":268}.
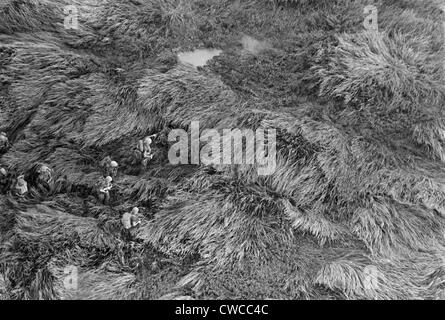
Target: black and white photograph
{"x":250,"y":152}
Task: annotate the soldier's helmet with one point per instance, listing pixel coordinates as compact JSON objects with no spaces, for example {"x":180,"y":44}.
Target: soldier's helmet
{"x":135,"y":210}
{"x":21,"y":178}
{"x":108,"y":179}
{"x":44,"y":169}
{"x":148,"y":140}
{"x":114,"y":164}
{"x":3,"y":171}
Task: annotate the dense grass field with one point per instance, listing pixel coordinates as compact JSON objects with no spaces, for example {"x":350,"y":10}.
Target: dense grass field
{"x":360,"y":179}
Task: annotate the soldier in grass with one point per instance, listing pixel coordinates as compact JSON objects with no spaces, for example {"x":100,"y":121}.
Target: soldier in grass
{"x":143,"y":151}
{"x":44,"y":180}
{"x":109,"y":167}
{"x":104,"y":187}
{"x":21,"y":186}
{"x":4,"y":180}
{"x":45,"y":174}
{"x":4,"y":142}
{"x":131,"y":219}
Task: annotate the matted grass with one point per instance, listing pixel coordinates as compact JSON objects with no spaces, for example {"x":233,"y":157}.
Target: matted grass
{"x":359,"y":182}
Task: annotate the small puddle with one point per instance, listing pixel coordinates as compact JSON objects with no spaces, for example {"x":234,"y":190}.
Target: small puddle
{"x":198,"y":57}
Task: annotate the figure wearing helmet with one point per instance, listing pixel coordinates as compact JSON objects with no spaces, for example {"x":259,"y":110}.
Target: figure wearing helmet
{"x":4,"y":180}
{"x":4,"y":142}
{"x":113,"y":169}
{"x":131,"y":219}
{"x":21,"y":186}
{"x":105,"y":186}
{"x":45,"y":174}
{"x":42,"y":179}
{"x":143,"y":150}
{"x":109,"y":167}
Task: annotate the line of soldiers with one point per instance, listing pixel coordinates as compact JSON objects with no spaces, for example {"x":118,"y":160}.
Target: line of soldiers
{"x":45,"y":177}
{"x":143,"y":154}
{"x":41,"y":177}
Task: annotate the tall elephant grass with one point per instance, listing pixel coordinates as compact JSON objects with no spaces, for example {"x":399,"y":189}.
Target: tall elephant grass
{"x":359,"y":181}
